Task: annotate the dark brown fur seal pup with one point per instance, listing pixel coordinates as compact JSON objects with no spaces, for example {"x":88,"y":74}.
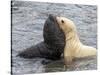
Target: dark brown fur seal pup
{"x":53,"y":44}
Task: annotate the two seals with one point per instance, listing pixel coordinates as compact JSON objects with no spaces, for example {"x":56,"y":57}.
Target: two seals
{"x":60,"y":35}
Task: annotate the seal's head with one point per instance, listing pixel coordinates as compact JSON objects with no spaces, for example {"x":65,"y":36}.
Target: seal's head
{"x":66,"y":24}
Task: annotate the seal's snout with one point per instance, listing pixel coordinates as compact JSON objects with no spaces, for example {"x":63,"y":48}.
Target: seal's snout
{"x":52,"y":17}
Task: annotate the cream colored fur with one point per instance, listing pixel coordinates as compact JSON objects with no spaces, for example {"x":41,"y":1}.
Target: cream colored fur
{"x":73,"y":47}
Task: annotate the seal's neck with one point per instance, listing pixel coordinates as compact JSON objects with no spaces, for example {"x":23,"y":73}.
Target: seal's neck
{"x":72,"y":36}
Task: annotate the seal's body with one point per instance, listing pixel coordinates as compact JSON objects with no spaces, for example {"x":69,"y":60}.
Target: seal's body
{"x":73,"y":47}
{"x":53,"y":44}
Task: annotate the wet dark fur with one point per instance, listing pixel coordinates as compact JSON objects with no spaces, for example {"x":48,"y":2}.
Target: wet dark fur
{"x":53,"y":44}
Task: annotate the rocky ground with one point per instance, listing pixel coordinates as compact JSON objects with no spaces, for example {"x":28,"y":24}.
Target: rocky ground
{"x":27,"y":29}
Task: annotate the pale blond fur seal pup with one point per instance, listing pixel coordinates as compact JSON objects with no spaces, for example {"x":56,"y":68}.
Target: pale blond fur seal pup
{"x":73,"y":47}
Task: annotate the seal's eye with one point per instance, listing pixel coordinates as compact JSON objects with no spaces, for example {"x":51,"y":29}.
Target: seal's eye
{"x":62,"y":21}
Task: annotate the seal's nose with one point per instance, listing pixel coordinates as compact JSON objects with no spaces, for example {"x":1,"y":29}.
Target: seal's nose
{"x":52,"y":17}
